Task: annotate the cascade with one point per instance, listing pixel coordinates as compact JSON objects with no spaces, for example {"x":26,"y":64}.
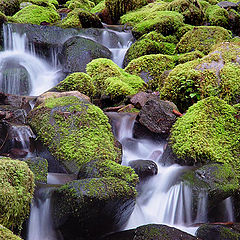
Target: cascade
{"x":21,"y":71}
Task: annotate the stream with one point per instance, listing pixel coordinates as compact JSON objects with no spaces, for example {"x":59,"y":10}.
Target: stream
{"x":162,"y":198}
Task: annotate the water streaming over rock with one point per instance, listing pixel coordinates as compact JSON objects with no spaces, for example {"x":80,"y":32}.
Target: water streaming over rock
{"x":21,"y":71}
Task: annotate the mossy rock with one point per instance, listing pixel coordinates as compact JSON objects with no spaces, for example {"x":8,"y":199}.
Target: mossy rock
{"x":146,"y":47}
{"x":81,"y":4}
{"x":202,"y":38}
{"x":216,"y":74}
{"x":35,"y":14}
{"x":111,"y":80}
{"x":150,"y":68}
{"x":9,"y":7}
{"x":207,"y":134}
{"x":44,"y":3}
{"x":78,"y":81}
{"x":16,"y":187}
{"x":117,"y":8}
{"x":83,"y":202}
{"x":75,"y":131}
{"x":6,"y":234}
{"x":186,"y":57}
{"x":218,"y":181}
{"x":190,"y":9}
{"x":39,"y":167}
{"x":99,"y":7}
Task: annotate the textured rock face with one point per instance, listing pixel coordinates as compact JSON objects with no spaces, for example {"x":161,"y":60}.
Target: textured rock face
{"x":78,"y":52}
{"x":157,"y":116}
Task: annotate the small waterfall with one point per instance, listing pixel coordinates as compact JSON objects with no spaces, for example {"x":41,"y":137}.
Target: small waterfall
{"x":229,"y":209}
{"x":21,"y":71}
{"x":201,"y":208}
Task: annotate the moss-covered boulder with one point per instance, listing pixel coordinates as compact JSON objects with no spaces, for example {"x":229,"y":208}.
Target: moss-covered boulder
{"x":111,"y":80}
{"x":216,"y":74}
{"x":95,"y":205}
{"x":219,"y":232}
{"x":202,"y":38}
{"x":80,"y":18}
{"x":77,"y":52}
{"x":75,"y":131}
{"x":6,"y":234}
{"x":35,"y":14}
{"x":43,"y":3}
{"x":207,"y":134}
{"x":218,"y":181}
{"x":16,"y":188}
{"x":150,"y":68}
{"x":78,"y":81}
{"x":81,"y":4}
{"x":117,"y":8}
{"x":190,"y":9}
{"x":9,"y":7}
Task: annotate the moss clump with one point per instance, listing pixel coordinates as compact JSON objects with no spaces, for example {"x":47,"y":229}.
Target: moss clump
{"x":150,"y":68}
{"x":16,"y":192}
{"x":202,"y":38}
{"x":99,"y":7}
{"x":190,"y":9}
{"x":146,"y":47}
{"x":216,"y":74}
{"x":109,"y":79}
{"x":78,"y":81}
{"x":117,"y":8}
{"x":6,"y":234}
{"x":36,"y":15}
{"x":74,"y":131}
{"x":9,"y":7}
{"x":39,"y":167}
{"x":82,"y":4}
{"x":186,"y":57}
{"x":207,"y":133}
{"x":44,"y":3}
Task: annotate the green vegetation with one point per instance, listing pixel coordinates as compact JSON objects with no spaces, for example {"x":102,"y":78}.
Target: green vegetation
{"x":216,"y":74}
{"x":82,"y":4}
{"x":109,"y":79}
{"x":16,"y":192}
{"x":35,"y":14}
{"x":6,"y":234}
{"x":99,"y":7}
{"x":9,"y":7}
{"x":78,"y":81}
{"x":44,"y":3}
{"x":202,"y":38}
{"x":186,"y":57}
{"x":207,"y":134}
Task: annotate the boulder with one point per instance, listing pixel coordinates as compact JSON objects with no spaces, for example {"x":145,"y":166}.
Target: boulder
{"x":158,"y":116}
{"x":144,"y":168}
{"x":150,"y":232}
{"x":78,"y":52}
{"x":217,"y":232}
{"x":96,"y":205}
{"x":16,"y":186}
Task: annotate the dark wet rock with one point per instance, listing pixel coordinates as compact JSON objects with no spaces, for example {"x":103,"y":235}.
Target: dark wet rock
{"x":17,"y":153}
{"x":217,"y":232}
{"x":158,"y":116}
{"x":151,"y":232}
{"x":144,"y":168}
{"x":13,"y":114}
{"x":227,"y":5}
{"x":97,"y":206}
{"x":217,"y":180}
{"x":78,"y":52}
{"x":139,"y":99}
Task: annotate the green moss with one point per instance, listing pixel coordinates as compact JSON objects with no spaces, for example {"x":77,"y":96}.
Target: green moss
{"x":39,"y":167}
{"x":72,"y":20}
{"x":117,"y":8}
{"x":74,"y":131}
{"x":190,"y":9}
{"x":147,"y":46}
{"x":216,"y":74}
{"x":186,"y":57}
{"x":217,"y":16}
{"x":99,"y":7}
{"x":82,"y":4}
{"x":78,"y":81}
{"x":44,"y":3}
{"x":9,"y":7}
{"x":6,"y":234}
{"x":202,"y":38}
{"x":207,"y":133}
{"x":150,"y":67}
{"x":35,"y":15}
{"x":109,"y":79}
{"x":16,"y":191}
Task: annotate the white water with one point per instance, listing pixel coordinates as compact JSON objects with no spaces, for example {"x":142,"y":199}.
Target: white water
{"x":229,"y":209}
{"x":19,"y":58}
